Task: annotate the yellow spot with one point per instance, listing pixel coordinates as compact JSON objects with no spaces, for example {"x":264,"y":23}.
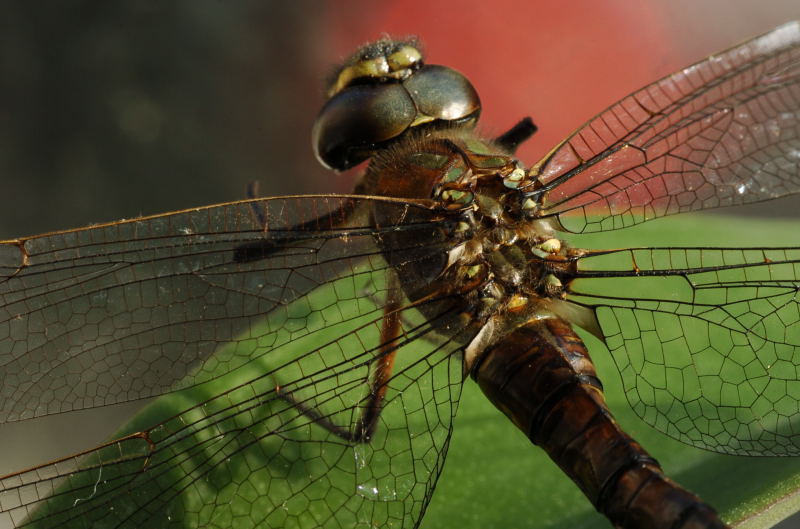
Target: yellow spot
{"x":377,"y":67}
{"x":474,"y":270}
{"x":517,"y":301}
{"x":514,"y":178}
{"x":538,"y":252}
{"x":552,"y":281}
{"x":421,"y":119}
{"x":551,"y":246}
{"x":461,"y":197}
{"x":529,"y":204}
{"x":405,"y":57}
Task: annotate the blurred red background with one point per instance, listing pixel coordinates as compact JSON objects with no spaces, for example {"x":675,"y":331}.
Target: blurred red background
{"x":560,"y":63}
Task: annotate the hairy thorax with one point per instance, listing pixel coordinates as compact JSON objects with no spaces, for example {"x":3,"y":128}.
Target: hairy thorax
{"x":502,"y":264}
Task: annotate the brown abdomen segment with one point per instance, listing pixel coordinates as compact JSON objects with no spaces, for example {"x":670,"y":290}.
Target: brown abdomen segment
{"x":542,"y":378}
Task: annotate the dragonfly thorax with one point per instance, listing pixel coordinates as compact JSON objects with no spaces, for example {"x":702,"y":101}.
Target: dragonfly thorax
{"x":493,"y":255}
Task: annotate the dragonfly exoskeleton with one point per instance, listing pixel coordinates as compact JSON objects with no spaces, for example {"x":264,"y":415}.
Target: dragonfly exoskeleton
{"x":320,"y":342}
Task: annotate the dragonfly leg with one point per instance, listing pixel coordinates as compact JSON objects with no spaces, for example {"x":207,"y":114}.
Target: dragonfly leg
{"x":513,"y":137}
{"x":380,"y":375}
{"x":382,"y":366}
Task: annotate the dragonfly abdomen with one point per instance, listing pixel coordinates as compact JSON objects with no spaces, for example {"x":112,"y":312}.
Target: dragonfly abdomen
{"x":542,"y":378}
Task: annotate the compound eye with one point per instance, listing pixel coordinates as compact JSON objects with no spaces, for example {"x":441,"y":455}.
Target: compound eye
{"x":358,"y":118}
{"x":442,"y":93}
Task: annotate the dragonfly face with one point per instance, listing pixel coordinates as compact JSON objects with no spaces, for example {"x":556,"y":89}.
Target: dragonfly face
{"x":381,"y":93}
{"x":317,"y":344}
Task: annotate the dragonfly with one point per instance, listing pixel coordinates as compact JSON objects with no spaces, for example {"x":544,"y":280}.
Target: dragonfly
{"x":318,"y":344}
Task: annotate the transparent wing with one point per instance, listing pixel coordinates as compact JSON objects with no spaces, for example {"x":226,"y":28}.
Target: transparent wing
{"x":134,"y":309}
{"x":722,"y":132}
{"x":231,"y":308}
{"x":709,"y":347}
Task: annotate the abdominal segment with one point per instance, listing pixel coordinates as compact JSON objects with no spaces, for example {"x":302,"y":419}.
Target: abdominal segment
{"x":542,"y":378}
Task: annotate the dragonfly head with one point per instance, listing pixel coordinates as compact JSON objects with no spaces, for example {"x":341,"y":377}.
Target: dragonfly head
{"x":382,"y":92}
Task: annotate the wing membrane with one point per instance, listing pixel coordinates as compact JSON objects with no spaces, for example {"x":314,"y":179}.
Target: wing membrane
{"x":722,"y":132}
{"x":127,"y":310}
{"x":297,"y":311}
{"x":709,"y":349}
{"x":255,"y":461}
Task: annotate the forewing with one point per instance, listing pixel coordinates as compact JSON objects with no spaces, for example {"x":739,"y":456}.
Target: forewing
{"x":130,"y":310}
{"x":722,"y":132}
{"x":709,"y":345}
{"x":300,"y":314}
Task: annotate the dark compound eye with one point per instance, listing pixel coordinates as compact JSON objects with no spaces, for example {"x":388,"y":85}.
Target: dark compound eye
{"x":380,"y":94}
{"x":359,"y":118}
{"x":442,"y":93}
